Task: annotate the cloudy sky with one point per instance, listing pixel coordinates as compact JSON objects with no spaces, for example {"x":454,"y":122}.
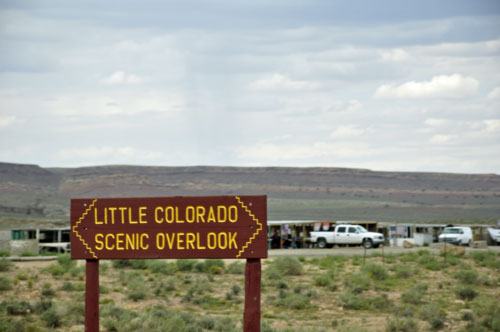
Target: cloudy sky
{"x":383,"y":85}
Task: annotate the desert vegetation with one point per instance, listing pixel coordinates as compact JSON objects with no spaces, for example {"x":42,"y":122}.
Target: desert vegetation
{"x":415,"y":291}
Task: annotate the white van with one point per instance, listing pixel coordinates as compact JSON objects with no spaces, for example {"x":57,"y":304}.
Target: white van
{"x":456,"y":235}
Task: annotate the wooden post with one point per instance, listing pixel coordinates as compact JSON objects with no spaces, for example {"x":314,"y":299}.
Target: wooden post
{"x":251,"y":316}
{"x":92,"y":296}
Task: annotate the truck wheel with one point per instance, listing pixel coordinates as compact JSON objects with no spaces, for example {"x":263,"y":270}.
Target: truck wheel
{"x":321,"y":243}
{"x":367,"y":243}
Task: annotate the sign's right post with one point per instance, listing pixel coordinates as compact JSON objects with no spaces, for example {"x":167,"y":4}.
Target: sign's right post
{"x":251,"y":319}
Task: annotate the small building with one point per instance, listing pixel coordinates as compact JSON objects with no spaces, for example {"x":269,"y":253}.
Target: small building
{"x":417,"y":234}
{"x":283,"y":234}
{"x":32,"y":241}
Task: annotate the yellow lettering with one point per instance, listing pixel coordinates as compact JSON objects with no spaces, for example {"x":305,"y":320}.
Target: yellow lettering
{"x":177,"y":218}
{"x":190,"y":214}
{"x":221,"y":210}
{"x":143,"y":245}
{"x":180,"y":241}
{"x":190,"y":238}
{"x":119,"y":241}
{"x":232,"y":240}
{"x":108,"y":246}
{"x":160,"y":241}
{"x":157,"y":218}
{"x":122,"y":210}
{"x":130,"y":241}
{"x":211,"y":215}
{"x":142,"y":213}
{"x":170,"y":240}
{"x":233,"y":213}
{"x":169,"y":214}
{"x":200,"y":213}
{"x":130,"y":221}
{"x":99,"y":243}
{"x":211,"y":240}
{"x":112,"y":210}
{"x":222,"y":238}
{"x":97,"y":222}
{"x":198,"y":245}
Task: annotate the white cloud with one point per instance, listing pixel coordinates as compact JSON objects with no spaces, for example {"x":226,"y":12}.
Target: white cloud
{"x":7,"y":121}
{"x":443,"y":139}
{"x":119,"y":103}
{"x":121,"y":77}
{"x":433,"y":122}
{"x":397,"y":54}
{"x":93,"y":153}
{"x":495,"y":94}
{"x":492,"y":126}
{"x":272,"y":153}
{"x":347,"y":131}
{"x":281,"y":82}
{"x":443,"y":86}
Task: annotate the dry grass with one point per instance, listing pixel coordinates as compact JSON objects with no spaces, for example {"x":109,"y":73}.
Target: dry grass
{"x":320,"y":294}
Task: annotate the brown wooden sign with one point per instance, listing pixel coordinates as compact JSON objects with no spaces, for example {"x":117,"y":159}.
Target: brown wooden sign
{"x":169,"y":227}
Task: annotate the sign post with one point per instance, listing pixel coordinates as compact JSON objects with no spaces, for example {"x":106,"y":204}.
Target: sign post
{"x":92,"y":296}
{"x":171,"y":227}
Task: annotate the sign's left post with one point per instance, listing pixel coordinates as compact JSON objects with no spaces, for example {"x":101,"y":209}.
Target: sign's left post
{"x":92,"y":296}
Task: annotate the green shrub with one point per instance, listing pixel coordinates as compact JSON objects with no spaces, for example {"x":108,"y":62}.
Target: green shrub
{"x":66,"y":262}
{"x":42,"y":306}
{"x":430,"y":262}
{"x":358,"y":282}
{"x":47,"y":291}
{"x":469,"y":277}
{"x":213,"y":266}
{"x":486,"y":258}
{"x":288,"y":265}
{"x":8,"y":324}
{"x":122,"y":263}
{"x":162,"y":267}
{"x":403,"y":271}
{"x":375,"y":271}
{"x":415,"y":294}
{"x":56,"y":270}
{"x":18,"y":308}
{"x":465,"y":293}
{"x":236,"y":268}
{"x":4,"y":253}
{"x":401,"y":325}
{"x":487,"y":310}
{"x":293,"y":301}
{"x":5,"y":265}
{"x":404,"y":310}
{"x":137,"y":289}
{"x":357,"y":260}
{"x":67,"y":286}
{"x":52,"y":318}
{"x":353,"y":301}
{"x":324,"y":280}
{"x":329,"y":262}
{"x":185,"y":265}
{"x":5,"y":283}
{"x":434,"y":315}
{"x":139,"y":264}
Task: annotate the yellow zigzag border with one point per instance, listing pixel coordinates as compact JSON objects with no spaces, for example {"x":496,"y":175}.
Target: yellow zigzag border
{"x":79,"y":221}
{"x":255,"y":233}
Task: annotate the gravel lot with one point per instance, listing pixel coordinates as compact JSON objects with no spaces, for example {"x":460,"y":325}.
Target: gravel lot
{"x":353,"y":251}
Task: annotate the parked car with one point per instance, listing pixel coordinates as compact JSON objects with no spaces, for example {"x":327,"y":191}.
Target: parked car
{"x":456,"y":235}
{"x":347,"y":235}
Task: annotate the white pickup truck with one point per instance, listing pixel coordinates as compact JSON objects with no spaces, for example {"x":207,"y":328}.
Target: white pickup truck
{"x":346,"y":235}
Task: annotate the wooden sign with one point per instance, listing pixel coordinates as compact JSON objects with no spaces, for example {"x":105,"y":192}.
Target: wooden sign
{"x":169,"y":227}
